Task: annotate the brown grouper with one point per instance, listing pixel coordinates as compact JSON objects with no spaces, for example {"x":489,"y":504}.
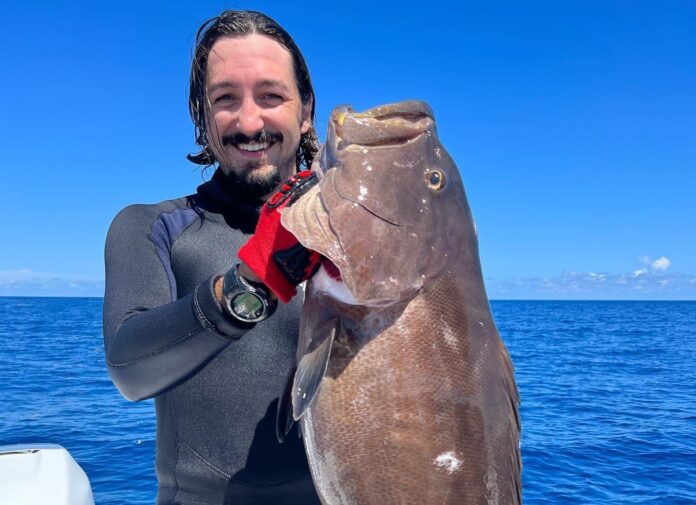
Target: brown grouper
{"x":405,"y":392}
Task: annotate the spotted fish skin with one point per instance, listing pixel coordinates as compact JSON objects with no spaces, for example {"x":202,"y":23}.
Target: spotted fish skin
{"x":405,"y":391}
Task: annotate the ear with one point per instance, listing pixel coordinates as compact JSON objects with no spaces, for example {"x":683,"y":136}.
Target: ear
{"x":306,"y":123}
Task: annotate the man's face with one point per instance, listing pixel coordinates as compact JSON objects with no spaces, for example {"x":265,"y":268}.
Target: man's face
{"x":256,"y":115}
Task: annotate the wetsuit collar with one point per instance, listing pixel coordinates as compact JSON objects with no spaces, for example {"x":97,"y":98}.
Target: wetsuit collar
{"x":222,"y":196}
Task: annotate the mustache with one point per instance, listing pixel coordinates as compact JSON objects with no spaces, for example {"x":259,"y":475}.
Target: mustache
{"x":262,"y":136}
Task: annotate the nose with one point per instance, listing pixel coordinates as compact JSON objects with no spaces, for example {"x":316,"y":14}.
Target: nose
{"x":250,"y":120}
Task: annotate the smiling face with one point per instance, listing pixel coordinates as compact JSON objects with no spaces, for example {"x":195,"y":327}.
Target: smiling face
{"x":255,"y":115}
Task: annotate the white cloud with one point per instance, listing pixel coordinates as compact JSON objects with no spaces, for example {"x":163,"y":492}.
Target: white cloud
{"x":26,"y":282}
{"x":661,"y":264}
{"x":640,"y":284}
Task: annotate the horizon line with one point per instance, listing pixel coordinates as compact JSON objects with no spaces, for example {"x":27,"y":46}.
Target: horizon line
{"x":490,"y":299}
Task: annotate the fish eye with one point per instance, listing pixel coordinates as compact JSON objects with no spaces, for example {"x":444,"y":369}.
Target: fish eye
{"x":435,"y":179}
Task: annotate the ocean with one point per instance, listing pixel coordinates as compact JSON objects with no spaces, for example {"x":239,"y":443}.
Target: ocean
{"x":608,"y":394}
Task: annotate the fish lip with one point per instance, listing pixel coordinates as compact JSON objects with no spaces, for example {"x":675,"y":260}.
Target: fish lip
{"x":410,"y":119}
{"x":405,"y":108}
{"x":393,"y":142}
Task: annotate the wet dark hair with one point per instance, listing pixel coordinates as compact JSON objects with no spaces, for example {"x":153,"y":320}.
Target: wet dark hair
{"x":240,"y":24}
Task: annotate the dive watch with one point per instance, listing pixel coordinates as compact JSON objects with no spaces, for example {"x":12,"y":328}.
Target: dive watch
{"x":244,"y":300}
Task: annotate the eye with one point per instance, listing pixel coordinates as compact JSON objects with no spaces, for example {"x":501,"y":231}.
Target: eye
{"x":273,"y":98}
{"x":435,"y":179}
{"x":224,"y":99}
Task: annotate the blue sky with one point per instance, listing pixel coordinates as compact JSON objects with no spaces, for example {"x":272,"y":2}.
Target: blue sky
{"x":573,"y":125}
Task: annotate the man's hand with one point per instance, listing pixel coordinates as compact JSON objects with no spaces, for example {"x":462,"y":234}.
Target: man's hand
{"x":273,"y":254}
{"x":249,"y":274}
{"x":245,"y":272}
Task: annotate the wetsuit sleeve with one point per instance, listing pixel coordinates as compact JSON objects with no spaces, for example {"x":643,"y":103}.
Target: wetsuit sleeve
{"x":152,"y":340}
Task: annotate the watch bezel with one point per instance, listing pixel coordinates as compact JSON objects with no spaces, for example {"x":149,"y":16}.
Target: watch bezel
{"x":244,"y":287}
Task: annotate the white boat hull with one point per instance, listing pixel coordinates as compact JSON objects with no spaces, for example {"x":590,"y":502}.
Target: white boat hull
{"x":41,"y":474}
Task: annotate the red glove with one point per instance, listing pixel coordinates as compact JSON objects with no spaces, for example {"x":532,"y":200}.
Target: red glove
{"x":273,"y":253}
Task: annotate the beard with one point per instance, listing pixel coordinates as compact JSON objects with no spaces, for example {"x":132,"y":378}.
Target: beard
{"x":251,"y":181}
{"x":256,"y":179}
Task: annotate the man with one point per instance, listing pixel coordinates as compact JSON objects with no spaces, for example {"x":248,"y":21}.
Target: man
{"x":181,"y":323}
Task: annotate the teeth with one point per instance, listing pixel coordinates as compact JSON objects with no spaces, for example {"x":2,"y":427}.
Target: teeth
{"x":253,"y":147}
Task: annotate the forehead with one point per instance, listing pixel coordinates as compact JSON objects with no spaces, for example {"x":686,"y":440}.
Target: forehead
{"x":242,"y":60}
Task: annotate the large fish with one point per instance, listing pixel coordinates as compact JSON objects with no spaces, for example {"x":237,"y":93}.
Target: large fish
{"x":405,"y":391}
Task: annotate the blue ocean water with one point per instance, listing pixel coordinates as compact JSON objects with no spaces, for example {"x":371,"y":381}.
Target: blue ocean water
{"x":608,"y":398}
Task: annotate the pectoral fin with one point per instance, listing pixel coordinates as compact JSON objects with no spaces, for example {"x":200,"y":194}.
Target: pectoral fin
{"x":284,"y":420}
{"x":304,"y":380}
{"x":312,"y":367}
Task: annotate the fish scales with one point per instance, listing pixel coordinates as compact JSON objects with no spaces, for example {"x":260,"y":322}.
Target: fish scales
{"x":403,"y":400}
{"x":406,"y":393}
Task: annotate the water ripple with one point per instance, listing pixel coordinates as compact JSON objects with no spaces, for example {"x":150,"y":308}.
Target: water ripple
{"x":607,"y":388}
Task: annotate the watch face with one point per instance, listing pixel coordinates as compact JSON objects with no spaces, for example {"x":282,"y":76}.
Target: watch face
{"x":248,"y":306}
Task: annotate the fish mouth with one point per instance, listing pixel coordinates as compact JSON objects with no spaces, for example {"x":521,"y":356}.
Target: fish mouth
{"x":392,"y":142}
{"x":384,"y":126}
{"x":403,"y":109}
{"x":406,"y":127}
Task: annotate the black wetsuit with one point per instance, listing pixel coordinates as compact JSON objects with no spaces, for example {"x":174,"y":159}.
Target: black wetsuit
{"x":216,"y":384}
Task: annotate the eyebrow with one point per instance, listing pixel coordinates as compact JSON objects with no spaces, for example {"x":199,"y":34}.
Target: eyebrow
{"x":266,"y":83}
{"x":221,"y":84}
{"x":273,"y":83}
